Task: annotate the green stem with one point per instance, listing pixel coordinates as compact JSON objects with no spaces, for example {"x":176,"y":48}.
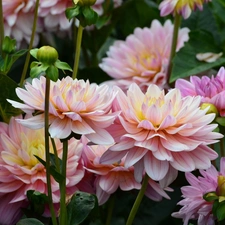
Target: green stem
{"x":77,"y":51}
{"x":57,"y":163}
{"x":1,"y":27}
{"x":138,"y":201}
{"x":47,"y":155}
{"x":177,"y":21}
{"x":63,"y":211}
{"x":110,"y":209}
{"x":30,"y":45}
{"x":222,"y":150}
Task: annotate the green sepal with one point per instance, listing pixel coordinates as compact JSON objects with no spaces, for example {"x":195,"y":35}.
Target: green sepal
{"x":52,"y":73}
{"x":37,"y":70}
{"x":8,"y":45}
{"x":87,"y":16}
{"x":210,"y":196}
{"x":220,"y":211}
{"x":62,"y":65}
{"x":33,"y":52}
{"x":29,"y":221}
{"x":72,"y":12}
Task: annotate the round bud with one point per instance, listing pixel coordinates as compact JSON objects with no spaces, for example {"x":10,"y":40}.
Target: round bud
{"x":84,"y":2}
{"x":47,"y":55}
{"x":212,"y":108}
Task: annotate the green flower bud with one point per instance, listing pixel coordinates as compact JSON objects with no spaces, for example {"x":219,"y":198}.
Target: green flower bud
{"x":212,"y":108}
{"x":47,"y":55}
{"x":84,"y":2}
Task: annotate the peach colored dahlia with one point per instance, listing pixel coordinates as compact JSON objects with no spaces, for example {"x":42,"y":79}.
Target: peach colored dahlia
{"x":183,"y":7}
{"x":143,"y":57}
{"x":18,"y":20}
{"x":162,"y":131}
{"x":20,"y":170}
{"x":75,"y":106}
{"x":211,"y":90}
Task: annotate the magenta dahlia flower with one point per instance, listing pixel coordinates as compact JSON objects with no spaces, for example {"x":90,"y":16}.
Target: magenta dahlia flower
{"x":211,"y":90}
{"x":162,"y":131}
{"x":194,"y":206}
{"x":75,"y":106}
{"x":20,"y":170}
{"x":182,"y":7}
{"x":143,"y":57}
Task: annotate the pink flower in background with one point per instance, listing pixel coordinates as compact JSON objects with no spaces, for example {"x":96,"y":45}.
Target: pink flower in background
{"x":18,"y":20}
{"x":20,"y":170}
{"x":143,"y":57}
{"x":193,"y":205}
{"x":162,"y":131}
{"x":75,"y":106}
{"x":211,"y":90}
{"x":183,"y":7}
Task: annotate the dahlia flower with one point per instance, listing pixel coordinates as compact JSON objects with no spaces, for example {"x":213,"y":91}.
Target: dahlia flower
{"x":182,"y":7}
{"x":143,"y":57}
{"x":18,"y":20}
{"x":75,"y":106}
{"x":20,"y":170}
{"x":110,"y":177}
{"x":194,"y":206}
{"x":162,"y":131}
{"x":211,"y":90}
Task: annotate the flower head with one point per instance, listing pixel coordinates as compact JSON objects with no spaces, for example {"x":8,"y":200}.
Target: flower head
{"x":21,"y":171}
{"x":183,"y":7}
{"x":75,"y":106}
{"x":194,"y":205}
{"x":211,"y":90}
{"x":162,"y":131}
{"x":143,"y":57}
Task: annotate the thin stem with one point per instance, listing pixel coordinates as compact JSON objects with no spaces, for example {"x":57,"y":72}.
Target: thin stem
{"x":110,"y":209}
{"x":57,"y":163}
{"x":177,"y":21}
{"x":77,"y":51}
{"x":138,"y":201}
{"x":30,"y":45}
{"x":47,"y":155}
{"x":63,"y":211}
{"x":1,"y":27}
{"x":222,"y":150}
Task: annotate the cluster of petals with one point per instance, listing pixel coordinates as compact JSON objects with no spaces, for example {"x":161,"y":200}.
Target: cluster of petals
{"x":110,"y":177}
{"x":211,"y":90}
{"x":163,"y":133}
{"x":194,"y":207}
{"x":74,"y":106}
{"x":18,"y":20}
{"x":182,"y":7}
{"x":21,"y":171}
{"x":143,"y":57}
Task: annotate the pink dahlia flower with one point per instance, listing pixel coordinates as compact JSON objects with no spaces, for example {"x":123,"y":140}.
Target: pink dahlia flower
{"x":182,"y":7}
{"x":75,"y":106}
{"x":143,"y":57}
{"x":194,"y":206}
{"x":18,"y":20}
{"x":20,"y":170}
{"x":211,"y":90}
{"x":162,"y":131}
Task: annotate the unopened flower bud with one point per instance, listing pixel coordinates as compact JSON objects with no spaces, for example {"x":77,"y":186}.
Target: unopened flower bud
{"x":212,"y":108}
{"x":47,"y":55}
{"x":84,"y":2}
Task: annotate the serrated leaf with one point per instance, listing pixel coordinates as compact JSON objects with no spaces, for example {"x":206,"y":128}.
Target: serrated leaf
{"x":62,"y":65}
{"x":52,"y":73}
{"x":72,"y":12}
{"x":80,"y":206}
{"x":29,"y":221}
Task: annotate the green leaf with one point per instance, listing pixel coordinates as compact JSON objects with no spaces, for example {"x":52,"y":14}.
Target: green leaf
{"x":220,"y":121}
{"x":33,"y":52}
{"x":62,"y":65}
{"x":220,"y":211}
{"x":52,"y":73}
{"x":29,"y":221}
{"x":80,"y":206}
{"x":8,"y":45}
{"x":89,"y":16}
{"x":210,"y":196}
{"x":72,"y":12}
{"x":8,"y":87}
{"x":185,"y":63}
{"x":35,"y":71}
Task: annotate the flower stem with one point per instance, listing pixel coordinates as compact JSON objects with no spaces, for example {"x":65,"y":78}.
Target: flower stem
{"x":110,"y":209}
{"x":47,"y":155}
{"x":138,"y":201}
{"x":63,"y":211}
{"x":30,"y":45}
{"x":57,"y":163}
{"x":222,"y":150}
{"x":1,"y":27}
{"x":177,"y":21}
{"x":77,"y":51}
